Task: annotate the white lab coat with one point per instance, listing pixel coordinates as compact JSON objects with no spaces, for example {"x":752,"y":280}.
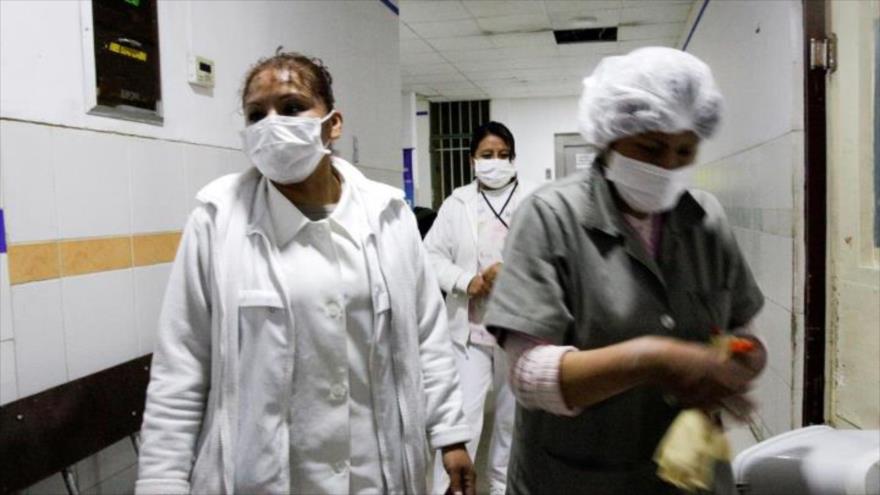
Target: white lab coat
{"x":453,"y":251}
{"x":190,"y":423}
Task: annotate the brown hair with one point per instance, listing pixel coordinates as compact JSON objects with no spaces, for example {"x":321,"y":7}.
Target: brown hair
{"x":312,"y":72}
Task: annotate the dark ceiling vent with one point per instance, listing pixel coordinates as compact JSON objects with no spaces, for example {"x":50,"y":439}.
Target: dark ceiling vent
{"x":591,"y":35}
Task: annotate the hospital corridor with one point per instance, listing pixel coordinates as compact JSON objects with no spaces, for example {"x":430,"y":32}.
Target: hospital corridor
{"x":447,"y":247}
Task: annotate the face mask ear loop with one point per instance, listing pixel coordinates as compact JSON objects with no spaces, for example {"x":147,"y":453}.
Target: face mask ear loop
{"x":327,"y":149}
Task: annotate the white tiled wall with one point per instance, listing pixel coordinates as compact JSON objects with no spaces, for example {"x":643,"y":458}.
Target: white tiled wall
{"x":158,"y":185}
{"x":39,"y":330}
{"x":28,"y":182}
{"x":92,"y":176}
{"x":755,"y":168}
{"x":6,"y":332}
{"x":149,"y":289}
{"x":98,"y":321}
{"x":756,"y":187}
{"x":8,"y":385}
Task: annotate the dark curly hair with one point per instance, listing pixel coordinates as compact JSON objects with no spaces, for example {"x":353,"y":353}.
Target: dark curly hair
{"x":493,"y":128}
{"x":312,"y":72}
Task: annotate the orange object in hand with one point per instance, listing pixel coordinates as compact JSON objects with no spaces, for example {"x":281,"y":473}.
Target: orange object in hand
{"x":740,"y":346}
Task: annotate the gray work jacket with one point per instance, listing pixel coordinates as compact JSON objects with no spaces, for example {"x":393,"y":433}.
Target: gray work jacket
{"x":577,"y":274}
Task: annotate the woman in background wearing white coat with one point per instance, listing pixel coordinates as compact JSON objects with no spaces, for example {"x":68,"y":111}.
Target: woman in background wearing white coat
{"x":465,"y":245}
{"x":302,"y":345}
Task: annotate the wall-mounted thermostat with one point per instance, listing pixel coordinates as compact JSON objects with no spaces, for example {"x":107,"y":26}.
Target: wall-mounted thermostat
{"x":201,"y":71}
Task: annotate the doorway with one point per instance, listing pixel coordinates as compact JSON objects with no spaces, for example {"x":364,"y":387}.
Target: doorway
{"x":572,"y":154}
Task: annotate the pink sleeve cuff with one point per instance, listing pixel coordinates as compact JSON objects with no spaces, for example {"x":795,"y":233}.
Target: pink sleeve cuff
{"x":534,"y":374}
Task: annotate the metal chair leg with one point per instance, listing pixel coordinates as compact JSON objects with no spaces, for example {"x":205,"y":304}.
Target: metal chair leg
{"x":136,"y":443}
{"x":70,"y":481}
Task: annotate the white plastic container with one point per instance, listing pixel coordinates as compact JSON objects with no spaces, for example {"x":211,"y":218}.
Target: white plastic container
{"x":817,"y":460}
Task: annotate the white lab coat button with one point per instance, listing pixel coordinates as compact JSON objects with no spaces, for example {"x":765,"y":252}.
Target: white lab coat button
{"x":667,"y":321}
{"x":340,"y":466}
{"x":337,"y":391}
{"x":333,"y":310}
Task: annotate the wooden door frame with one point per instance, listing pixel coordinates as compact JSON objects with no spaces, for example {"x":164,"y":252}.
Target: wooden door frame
{"x":815,"y":13}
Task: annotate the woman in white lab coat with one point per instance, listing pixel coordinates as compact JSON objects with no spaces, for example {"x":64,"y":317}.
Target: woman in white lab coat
{"x":302,"y":345}
{"x":465,"y":245}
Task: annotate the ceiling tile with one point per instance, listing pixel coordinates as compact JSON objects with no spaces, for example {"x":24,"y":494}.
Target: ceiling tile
{"x":421,"y":58}
{"x":453,"y":86}
{"x":457,"y":56}
{"x":650,"y":31}
{"x":446,"y":29}
{"x":421,"y":10}
{"x":585,"y":19}
{"x":493,"y":8}
{"x":653,"y":3}
{"x":587,"y":49}
{"x":421,"y":89}
{"x":406,"y":33}
{"x":449,"y":77}
{"x":628,"y":46}
{"x":516,"y":40}
{"x":514,"y":23}
{"x":656,"y":13}
{"x":476,"y":94}
{"x":418,"y":68}
{"x":518,"y":75}
{"x":581,"y":6}
{"x":462,"y":43}
{"x":414,"y":46}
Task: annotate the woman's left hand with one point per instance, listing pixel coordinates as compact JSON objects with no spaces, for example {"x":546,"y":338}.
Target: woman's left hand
{"x":462,"y":477}
{"x":490,"y":274}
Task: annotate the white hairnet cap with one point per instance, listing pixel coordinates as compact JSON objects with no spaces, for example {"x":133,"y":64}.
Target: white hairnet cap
{"x":649,"y":89}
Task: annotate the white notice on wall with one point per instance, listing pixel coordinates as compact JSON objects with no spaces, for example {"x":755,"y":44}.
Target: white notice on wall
{"x":583,"y":160}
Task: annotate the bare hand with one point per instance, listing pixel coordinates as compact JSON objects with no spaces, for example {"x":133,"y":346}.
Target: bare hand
{"x":701,"y":376}
{"x":458,"y":465}
{"x":490,"y":274}
{"x":478,"y":287}
{"x":755,"y":359}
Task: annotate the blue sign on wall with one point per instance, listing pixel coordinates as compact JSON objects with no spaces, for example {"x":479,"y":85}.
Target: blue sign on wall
{"x":408,"y":186}
{"x":2,"y":233}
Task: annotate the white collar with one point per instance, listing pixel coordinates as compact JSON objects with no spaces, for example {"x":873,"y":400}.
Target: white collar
{"x":287,"y":220}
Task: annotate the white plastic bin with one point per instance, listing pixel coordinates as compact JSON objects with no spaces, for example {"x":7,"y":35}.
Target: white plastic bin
{"x":817,"y":460}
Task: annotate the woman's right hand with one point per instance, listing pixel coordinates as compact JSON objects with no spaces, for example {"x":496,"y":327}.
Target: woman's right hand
{"x":699,"y":375}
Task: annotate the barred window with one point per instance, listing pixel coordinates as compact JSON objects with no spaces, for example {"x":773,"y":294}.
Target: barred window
{"x":452,"y":123}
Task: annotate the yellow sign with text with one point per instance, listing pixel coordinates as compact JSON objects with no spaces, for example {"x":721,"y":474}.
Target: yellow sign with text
{"x":127,"y":51}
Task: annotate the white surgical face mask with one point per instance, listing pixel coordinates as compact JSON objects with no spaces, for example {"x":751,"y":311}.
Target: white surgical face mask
{"x":287,"y":150}
{"x":494,"y":172}
{"x":645,"y":187}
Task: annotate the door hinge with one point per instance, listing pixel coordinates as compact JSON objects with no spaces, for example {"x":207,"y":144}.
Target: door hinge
{"x":823,"y":53}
